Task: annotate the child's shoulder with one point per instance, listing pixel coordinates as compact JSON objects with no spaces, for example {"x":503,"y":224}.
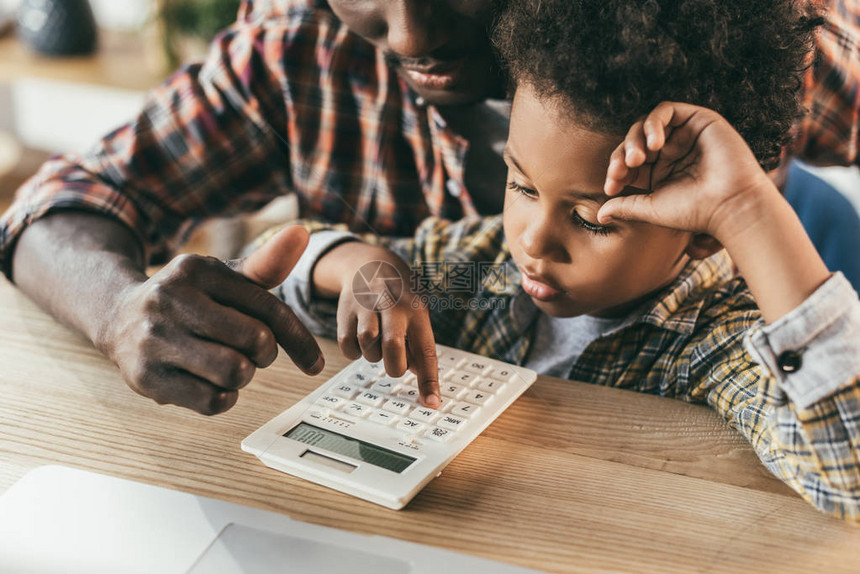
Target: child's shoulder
{"x":708,"y":295}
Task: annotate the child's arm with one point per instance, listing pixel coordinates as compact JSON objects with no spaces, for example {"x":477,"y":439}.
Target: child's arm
{"x":387,"y":323}
{"x":794,"y":391}
{"x":703,"y":178}
{"x":328,"y":266}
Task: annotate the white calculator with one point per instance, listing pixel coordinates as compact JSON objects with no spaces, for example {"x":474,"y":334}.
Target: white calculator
{"x":365,"y":433}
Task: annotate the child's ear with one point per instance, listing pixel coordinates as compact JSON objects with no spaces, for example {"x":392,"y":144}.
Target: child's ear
{"x":702,"y":246}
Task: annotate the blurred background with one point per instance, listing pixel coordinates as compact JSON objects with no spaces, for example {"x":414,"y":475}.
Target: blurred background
{"x":53,"y":102}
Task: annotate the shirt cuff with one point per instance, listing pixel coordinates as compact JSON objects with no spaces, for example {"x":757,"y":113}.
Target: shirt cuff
{"x":812,"y":350}
{"x":318,"y":315}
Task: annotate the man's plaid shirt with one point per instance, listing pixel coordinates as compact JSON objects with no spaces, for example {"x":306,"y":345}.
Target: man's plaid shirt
{"x":701,"y":339}
{"x":287,"y":100}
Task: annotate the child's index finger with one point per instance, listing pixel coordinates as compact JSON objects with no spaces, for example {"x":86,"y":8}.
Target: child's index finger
{"x":421,"y":351}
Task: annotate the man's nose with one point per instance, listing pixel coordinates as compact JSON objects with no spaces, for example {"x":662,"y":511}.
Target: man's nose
{"x":416,"y":28}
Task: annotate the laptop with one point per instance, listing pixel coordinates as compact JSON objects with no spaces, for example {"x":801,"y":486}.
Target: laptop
{"x":63,"y":520}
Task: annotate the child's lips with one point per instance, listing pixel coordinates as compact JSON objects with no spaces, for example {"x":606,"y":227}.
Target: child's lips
{"x":539,"y":290}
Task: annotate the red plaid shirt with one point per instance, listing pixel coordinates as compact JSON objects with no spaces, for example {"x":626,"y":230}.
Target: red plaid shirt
{"x":830,"y":132}
{"x":287,"y":100}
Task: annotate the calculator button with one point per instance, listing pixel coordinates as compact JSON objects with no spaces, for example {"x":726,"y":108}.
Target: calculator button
{"x":490,"y":385}
{"x":408,"y":394}
{"x":424,"y":414}
{"x":451,"y":389}
{"x":360,"y":379}
{"x":477,"y":397}
{"x":398,"y":406}
{"x":411,"y":426}
{"x":446,"y":372}
{"x":370,"y":398}
{"x":383,"y":418}
{"x":444,"y":404}
{"x":377,"y":367}
{"x":346,"y":391}
{"x":387,"y":387}
{"x":451,"y":422}
{"x":477,"y":367}
{"x":465,"y":410}
{"x":465,"y":379}
{"x":356,"y":409}
{"x":503,"y":374}
{"x":437,"y":434}
{"x":330,"y":401}
{"x":450,"y":360}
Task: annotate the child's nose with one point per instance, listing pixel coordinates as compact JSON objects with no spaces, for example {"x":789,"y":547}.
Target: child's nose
{"x":540,"y":241}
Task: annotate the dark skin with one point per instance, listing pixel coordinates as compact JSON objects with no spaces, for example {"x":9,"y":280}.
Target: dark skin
{"x":194,"y":333}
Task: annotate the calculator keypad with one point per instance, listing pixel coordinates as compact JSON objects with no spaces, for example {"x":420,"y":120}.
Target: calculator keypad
{"x":367,"y":393}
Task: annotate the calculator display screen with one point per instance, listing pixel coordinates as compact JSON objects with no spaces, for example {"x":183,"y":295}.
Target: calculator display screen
{"x":353,"y":448}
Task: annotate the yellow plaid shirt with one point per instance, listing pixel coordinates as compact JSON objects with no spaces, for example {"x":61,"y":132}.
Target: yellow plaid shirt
{"x":688,"y":342}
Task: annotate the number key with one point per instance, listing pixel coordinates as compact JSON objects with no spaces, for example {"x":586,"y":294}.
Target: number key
{"x":450,"y":389}
{"x":477,"y":397}
{"x":490,"y":385}
{"x":465,"y":410}
{"x":476,"y":367}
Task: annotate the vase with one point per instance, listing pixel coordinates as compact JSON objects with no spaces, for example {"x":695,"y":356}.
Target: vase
{"x":57,"y":27}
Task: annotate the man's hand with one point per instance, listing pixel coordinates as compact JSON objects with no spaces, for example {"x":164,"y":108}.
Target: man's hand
{"x":399,"y":334}
{"x":195,"y":332}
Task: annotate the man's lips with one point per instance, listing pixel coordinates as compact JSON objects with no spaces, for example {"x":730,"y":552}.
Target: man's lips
{"x":439,"y":77}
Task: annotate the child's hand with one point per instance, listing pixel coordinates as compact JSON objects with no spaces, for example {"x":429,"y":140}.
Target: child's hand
{"x":697,"y":173}
{"x":384,"y":323}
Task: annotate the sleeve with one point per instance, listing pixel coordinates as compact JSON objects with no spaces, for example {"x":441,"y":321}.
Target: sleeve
{"x":436,"y":242}
{"x":206,"y":143}
{"x":318,"y":315}
{"x":792,"y":389}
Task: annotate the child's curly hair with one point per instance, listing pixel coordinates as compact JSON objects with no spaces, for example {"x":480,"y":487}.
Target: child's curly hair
{"x":611,"y":61}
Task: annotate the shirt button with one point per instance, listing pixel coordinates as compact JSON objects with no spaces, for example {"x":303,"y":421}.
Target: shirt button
{"x":454,"y":188}
{"x":789,"y":361}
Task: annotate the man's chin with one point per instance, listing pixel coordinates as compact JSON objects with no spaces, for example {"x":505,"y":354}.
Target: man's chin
{"x":450,"y":97}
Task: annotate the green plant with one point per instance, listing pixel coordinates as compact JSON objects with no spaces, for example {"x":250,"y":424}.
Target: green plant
{"x":201,"y":19}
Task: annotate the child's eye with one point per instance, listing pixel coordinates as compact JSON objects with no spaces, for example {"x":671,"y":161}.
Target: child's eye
{"x":517,"y":188}
{"x":588,"y":226}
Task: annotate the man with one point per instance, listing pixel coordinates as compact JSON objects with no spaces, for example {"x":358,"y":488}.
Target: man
{"x":289,"y":99}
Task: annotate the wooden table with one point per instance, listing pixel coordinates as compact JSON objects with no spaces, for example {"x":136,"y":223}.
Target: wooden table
{"x":572,"y":478}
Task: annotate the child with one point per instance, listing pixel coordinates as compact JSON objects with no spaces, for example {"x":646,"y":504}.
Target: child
{"x":639,"y":134}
